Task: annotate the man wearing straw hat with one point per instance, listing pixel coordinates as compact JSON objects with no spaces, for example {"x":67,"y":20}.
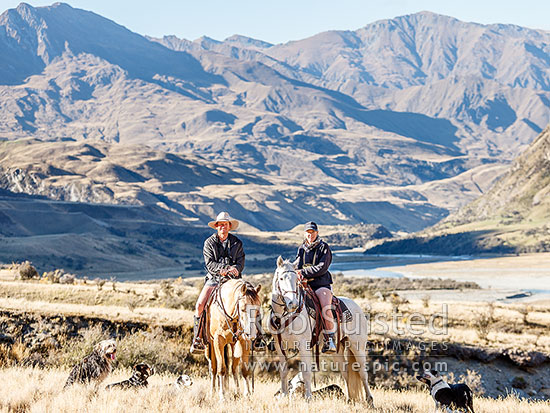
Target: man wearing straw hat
{"x":223,"y":257}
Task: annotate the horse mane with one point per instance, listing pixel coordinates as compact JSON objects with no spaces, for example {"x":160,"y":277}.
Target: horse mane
{"x":250,"y":291}
{"x":288,"y":264}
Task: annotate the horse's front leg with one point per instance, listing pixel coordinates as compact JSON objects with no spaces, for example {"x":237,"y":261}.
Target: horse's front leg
{"x":282,"y":367}
{"x":237,"y":359}
{"x":306,"y":366}
{"x":219,"y":344}
{"x":212,"y":367}
{"x":246,"y":367}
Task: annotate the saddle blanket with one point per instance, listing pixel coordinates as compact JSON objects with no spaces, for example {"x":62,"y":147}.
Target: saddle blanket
{"x":346,"y":313}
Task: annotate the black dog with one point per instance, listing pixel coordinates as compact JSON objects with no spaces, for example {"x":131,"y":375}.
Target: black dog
{"x":297,"y":386}
{"x":139,"y":378}
{"x":454,"y":396}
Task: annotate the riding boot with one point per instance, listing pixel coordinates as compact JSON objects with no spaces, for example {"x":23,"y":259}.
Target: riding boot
{"x":329,"y":346}
{"x":198,"y":346}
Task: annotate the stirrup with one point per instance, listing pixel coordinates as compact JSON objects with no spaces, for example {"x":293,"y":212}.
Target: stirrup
{"x":197,"y":347}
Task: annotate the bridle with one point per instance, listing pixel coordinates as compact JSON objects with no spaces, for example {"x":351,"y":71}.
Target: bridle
{"x":280,"y":321}
{"x":234,"y":318}
{"x":281,"y":293}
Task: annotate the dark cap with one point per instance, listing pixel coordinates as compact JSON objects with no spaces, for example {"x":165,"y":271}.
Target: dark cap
{"x":311,"y":226}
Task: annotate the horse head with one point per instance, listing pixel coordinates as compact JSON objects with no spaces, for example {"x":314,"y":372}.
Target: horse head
{"x":249,"y":309}
{"x":285,"y":285}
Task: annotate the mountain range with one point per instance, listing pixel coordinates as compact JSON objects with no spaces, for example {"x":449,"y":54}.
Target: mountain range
{"x":397,"y":123}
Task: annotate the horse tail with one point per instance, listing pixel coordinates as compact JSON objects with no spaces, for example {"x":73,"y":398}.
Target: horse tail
{"x":354,"y":382}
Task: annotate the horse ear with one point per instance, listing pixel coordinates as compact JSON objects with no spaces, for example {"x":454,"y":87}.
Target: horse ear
{"x":258,"y":288}
{"x":280,"y":261}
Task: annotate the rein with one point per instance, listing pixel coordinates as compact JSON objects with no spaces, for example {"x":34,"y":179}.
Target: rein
{"x":231,"y":319}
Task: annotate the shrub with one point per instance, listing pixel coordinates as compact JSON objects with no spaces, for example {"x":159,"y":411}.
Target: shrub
{"x":519,"y":382}
{"x":426,"y":301}
{"x":27,"y":271}
{"x":13,"y":354}
{"x":153,"y":347}
{"x":524,"y":311}
{"x":67,"y":279}
{"x":75,"y":349}
{"x":482,"y":324}
{"x":99,"y":283}
{"x":59,"y":276}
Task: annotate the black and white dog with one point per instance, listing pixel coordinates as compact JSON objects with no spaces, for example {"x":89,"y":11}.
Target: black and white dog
{"x":183,"y":382}
{"x":449,"y":397}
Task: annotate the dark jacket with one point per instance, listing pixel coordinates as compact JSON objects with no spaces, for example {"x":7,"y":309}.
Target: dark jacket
{"x":217,"y":258}
{"x":320,"y":258}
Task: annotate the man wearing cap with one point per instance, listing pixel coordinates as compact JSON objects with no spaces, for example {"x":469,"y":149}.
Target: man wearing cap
{"x":312,"y":262}
{"x":223,"y":257}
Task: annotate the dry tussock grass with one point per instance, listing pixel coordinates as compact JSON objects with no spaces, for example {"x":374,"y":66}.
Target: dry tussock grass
{"x":154,"y":347}
{"x":505,"y":325}
{"x":171,"y":304}
{"x":33,"y":390}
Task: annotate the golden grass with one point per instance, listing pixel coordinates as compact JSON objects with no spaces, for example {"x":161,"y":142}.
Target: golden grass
{"x":33,"y":390}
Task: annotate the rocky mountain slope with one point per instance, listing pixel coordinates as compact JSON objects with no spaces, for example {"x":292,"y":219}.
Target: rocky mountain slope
{"x":521,"y":195}
{"x":468,"y":73}
{"x":514,"y":216}
{"x":398,"y":118}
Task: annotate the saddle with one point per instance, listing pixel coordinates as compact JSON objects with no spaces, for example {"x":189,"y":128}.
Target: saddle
{"x":203,"y":331}
{"x":339,"y":308}
{"x":340,"y":312}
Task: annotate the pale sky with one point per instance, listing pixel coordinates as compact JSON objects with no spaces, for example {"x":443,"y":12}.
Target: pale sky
{"x":285,"y":20}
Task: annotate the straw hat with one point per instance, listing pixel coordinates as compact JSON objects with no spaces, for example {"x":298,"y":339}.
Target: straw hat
{"x":224,"y":217}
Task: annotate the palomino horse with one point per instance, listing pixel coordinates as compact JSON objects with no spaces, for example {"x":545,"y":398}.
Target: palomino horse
{"x":231,"y":322}
{"x":295,"y":328}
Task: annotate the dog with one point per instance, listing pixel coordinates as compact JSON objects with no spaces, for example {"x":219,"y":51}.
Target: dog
{"x":183,"y":382}
{"x":139,"y":378}
{"x":296,"y":386}
{"x":449,"y":397}
{"x":96,"y":366}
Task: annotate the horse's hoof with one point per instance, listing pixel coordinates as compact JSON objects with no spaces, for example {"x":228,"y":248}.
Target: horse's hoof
{"x":370,"y":402}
